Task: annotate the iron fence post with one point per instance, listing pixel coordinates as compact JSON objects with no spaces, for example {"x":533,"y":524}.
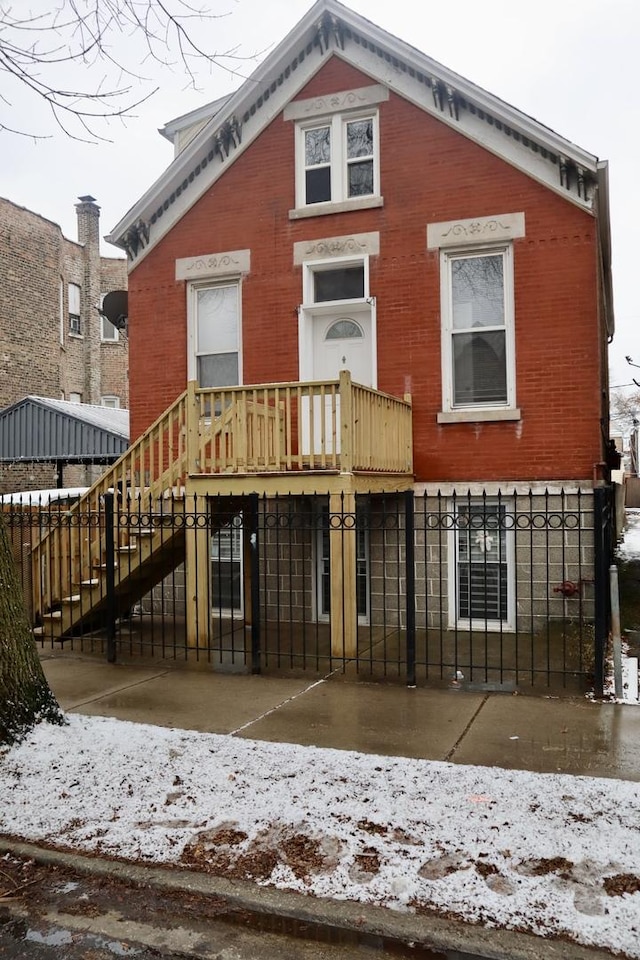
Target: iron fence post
{"x":602,"y":541}
{"x":410,"y":580}
{"x":110,"y":561}
{"x":254,"y":560}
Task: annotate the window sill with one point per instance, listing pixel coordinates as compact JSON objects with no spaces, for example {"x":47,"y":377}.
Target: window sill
{"x":479,"y":416}
{"x":340,"y":206}
{"x":76,"y":336}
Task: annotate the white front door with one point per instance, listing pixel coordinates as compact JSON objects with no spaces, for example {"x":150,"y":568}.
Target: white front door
{"x":341,"y":341}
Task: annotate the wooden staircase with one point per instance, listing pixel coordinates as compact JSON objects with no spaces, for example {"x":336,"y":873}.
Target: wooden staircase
{"x":70,"y":570}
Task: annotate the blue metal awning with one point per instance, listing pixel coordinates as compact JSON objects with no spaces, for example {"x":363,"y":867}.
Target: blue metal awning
{"x":40,"y":429}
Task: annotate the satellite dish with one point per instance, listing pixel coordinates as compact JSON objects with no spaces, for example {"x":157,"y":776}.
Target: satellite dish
{"x":115,"y":308}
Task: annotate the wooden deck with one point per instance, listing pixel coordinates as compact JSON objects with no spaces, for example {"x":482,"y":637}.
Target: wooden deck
{"x":336,"y":438}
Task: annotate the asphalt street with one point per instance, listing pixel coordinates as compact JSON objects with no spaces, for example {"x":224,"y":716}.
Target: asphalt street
{"x":51,"y":913}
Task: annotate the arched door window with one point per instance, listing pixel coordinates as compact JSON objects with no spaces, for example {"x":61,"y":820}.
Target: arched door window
{"x":344,"y":329}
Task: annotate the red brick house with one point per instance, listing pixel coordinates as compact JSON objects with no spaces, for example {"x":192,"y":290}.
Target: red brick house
{"x":357,"y":207}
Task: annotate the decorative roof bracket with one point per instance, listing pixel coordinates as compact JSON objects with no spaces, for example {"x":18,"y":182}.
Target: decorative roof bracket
{"x":329,"y":28}
{"x":565,"y":172}
{"x":452,"y":101}
{"x":229,"y":135}
{"x":136,"y":238}
{"x":445,"y":98}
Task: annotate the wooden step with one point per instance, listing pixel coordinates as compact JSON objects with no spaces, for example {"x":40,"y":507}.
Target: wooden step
{"x":52,"y":615}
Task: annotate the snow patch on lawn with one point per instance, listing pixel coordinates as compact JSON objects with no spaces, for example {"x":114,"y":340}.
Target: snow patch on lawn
{"x":549,"y":853}
{"x":629,"y":548}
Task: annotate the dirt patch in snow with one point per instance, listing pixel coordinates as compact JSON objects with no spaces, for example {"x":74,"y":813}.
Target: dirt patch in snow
{"x":225,"y":851}
{"x":621,"y":883}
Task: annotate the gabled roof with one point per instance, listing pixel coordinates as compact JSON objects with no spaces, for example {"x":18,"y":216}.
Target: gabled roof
{"x":43,"y":429}
{"x":329,"y":28}
{"x":188,"y":120}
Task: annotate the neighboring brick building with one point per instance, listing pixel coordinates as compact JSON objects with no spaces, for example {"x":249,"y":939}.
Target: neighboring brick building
{"x":53,"y":341}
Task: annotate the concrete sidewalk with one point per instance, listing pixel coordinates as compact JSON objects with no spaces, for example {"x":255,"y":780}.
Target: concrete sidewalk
{"x":543,"y":734}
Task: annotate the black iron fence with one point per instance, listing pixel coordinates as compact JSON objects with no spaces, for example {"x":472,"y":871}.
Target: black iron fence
{"x":495,"y":590}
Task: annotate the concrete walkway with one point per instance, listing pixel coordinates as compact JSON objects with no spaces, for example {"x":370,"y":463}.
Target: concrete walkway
{"x":544,"y":734}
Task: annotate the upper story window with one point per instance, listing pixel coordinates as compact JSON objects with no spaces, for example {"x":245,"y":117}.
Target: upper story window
{"x":479,"y":319}
{"x":478,"y":316}
{"x":337,"y":151}
{"x":75,"y":323}
{"x":112,"y":402}
{"x":215,"y":333}
{"x":340,"y":160}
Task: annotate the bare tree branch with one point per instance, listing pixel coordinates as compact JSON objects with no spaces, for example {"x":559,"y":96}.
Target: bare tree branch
{"x":625,"y":409}
{"x":53,"y":53}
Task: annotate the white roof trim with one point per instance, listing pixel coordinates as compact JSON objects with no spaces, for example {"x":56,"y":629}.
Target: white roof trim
{"x":439,"y":91}
{"x":205,"y":112}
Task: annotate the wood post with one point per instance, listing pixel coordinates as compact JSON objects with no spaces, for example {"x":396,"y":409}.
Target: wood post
{"x":342,"y":565}
{"x":346,"y":423}
{"x":193,"y":423}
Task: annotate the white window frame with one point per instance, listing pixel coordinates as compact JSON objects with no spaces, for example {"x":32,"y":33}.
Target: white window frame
{"x":62,"y":317}
{"x":75,"y":315}
{"x":75,"y":397}
{"x":110,"y":401}
{"x":476,"y":410}
{"x":480,"y":624}
{"x":338,"y":162}
{"x":309,"y":309}
{"x":192,"y":314}
{"x":110,"y":328}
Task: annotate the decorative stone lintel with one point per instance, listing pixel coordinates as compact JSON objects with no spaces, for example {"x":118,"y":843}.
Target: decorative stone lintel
{"x":228,"y":263}
{"x":336,"y":102}
{"x":355,"y":244}
{"x":457,"y":233}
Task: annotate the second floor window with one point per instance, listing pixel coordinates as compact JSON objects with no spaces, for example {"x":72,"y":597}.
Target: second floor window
{"x":477,"y":309}
{"x":75,"y":323}
{"x":337,"y":159}
{"x":215,"y":333}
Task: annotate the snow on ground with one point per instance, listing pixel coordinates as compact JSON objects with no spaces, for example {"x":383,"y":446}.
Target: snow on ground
{"x":553,"y":854}
{"x":41,"y":498}
{"x":629,"y":548}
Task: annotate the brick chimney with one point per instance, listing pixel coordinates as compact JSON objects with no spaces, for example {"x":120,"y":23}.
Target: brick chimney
{"x":88,"y":214}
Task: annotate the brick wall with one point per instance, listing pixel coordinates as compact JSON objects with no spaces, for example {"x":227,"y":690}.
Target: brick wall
{"x":39,"y":355}
{"x":429,"y":173}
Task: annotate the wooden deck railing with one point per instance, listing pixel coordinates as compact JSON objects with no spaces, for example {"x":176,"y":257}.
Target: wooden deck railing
{"x":280,"y":427}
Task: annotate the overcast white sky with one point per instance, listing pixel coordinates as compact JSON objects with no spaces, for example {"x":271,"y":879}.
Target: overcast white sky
{"x":572,"y":65}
